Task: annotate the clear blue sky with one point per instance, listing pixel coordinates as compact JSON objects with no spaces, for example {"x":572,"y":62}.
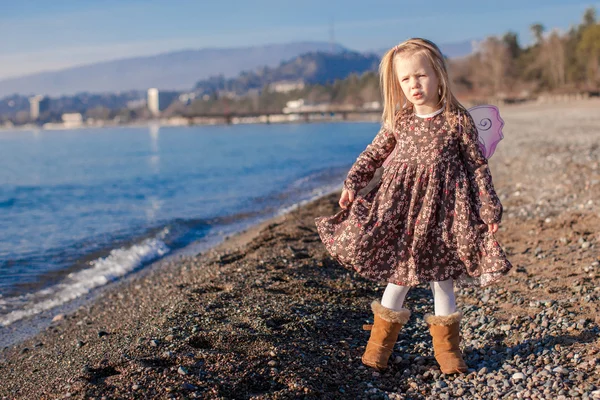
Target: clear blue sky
{"x":40,"y":35}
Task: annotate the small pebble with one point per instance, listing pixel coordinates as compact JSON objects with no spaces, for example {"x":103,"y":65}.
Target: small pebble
{"x":58,"y":317}
{"x":182,"y":371}
{"x":518,"y":376}
{"x":188,"y":386}
{"x":561,"y":370}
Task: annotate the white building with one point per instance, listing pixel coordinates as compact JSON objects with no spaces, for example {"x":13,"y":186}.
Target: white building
{"x":187,"y":98}
{"x":72,"y":120}
{"x":160,"y":100}
{"x":153,"y":101}
{"x":300,"y":105}
{"x":286,"y":86}
{"x":294,"y":104}
{"x":372,"y":105}
{"x":38,"y":105}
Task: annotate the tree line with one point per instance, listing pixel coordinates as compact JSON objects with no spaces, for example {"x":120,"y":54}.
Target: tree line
{"x":556,"y":62}
{"x":500,"y":67}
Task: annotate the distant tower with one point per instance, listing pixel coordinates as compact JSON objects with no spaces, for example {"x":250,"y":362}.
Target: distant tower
{"x":153,"y":103}
{"x":38,"y":105}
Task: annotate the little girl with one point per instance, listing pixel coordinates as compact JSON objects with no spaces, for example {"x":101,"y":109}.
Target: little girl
{"x":433,"y":215}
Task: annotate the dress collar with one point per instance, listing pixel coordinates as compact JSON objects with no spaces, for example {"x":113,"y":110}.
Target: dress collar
{"x":430,"y":115}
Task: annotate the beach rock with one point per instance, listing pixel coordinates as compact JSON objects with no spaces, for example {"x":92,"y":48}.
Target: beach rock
{"x":561,"y":370}
{"x":518,"y":376}
{"x":182,"y":371}
{"x":58,"y":317}
{"x":188,"y":387}
{"x":440,"y":384}
{"x":102,"y":334}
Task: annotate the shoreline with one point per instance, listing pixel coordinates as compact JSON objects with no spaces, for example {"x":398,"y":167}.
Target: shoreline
{"x":268,"y":314}
{"x":176,"y":121}
{"x":267,"y":311}
{"x":28,"y":327}
{"x":166,"y":124}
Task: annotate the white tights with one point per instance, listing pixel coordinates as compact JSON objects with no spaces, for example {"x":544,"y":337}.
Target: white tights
{"x":443,"y":297}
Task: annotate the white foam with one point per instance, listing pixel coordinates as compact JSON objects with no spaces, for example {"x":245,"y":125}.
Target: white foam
{"x":103,"y":270}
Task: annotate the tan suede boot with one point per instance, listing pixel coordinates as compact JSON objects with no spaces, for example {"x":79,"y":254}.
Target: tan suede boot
{"x":384,"y":333}
{"x":445,"y":332}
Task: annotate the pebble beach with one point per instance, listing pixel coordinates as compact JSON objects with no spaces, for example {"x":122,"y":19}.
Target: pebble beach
{"x":268,"y":314}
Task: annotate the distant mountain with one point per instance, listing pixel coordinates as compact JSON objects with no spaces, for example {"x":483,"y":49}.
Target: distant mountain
{"x":178,"y":70}
{"x":310,"y":68}
{"x":450,"y":50}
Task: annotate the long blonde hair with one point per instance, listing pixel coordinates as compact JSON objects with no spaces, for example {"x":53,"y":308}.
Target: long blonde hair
{"x":393,"y":97}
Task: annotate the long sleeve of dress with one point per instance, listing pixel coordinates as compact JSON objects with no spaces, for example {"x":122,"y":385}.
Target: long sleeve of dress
{"x":490,"y":207}
{"x":370,"y":159}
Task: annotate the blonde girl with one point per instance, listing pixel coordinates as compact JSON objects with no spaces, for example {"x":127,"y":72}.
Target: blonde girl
{"x":432,"y":216}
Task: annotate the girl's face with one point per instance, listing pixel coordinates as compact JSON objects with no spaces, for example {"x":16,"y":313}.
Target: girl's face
{"x":418,"y":82}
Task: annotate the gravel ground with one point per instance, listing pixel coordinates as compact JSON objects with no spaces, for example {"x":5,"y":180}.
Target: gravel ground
{"x":269,"y":315}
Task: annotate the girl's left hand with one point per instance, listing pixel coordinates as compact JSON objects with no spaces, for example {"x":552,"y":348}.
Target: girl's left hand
{"x":493,"y":228}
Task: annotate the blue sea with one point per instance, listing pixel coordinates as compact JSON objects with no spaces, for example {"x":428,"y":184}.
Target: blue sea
{"x":82,"y":208}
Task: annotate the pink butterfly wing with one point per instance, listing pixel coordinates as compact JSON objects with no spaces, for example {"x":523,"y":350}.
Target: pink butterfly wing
{"x":489,"y":127}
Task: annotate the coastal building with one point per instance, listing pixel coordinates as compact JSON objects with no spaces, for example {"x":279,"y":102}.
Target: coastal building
{"x":372,"y":105}
{"x":187,"y":98}
{"x":301,"y":106}
{"x":228,"y":94}
{"x":286,"y":86}
{"x":38,"y":105}
{"x":159,"y":101}
{"x":153,"y":101}
{"x":72,"y":120}
{"x":293,"y":105}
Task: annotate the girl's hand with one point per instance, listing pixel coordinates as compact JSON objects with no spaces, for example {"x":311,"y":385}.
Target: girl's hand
{"x":493,"y":228}
{"x":346,"y":199}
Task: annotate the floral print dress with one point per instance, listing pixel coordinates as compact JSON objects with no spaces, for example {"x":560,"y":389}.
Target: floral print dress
{"x":426,"y":220}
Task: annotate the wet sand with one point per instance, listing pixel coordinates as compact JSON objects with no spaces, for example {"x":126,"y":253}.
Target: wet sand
{"x":268,"y":314}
